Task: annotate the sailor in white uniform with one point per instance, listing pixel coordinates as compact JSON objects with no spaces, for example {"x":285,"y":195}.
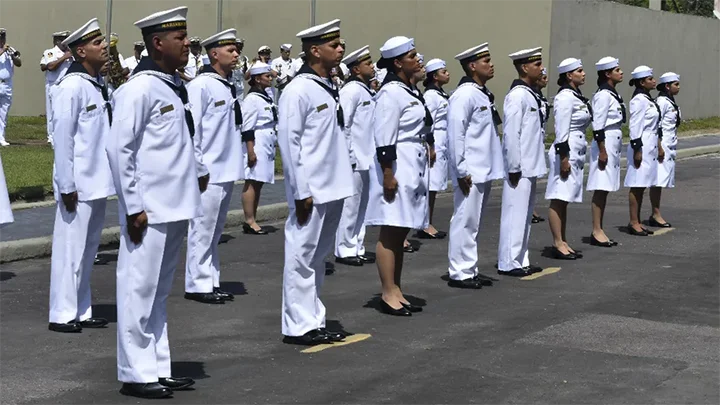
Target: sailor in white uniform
{"x":9,"y":60}
{"x":195,"y":62}
{"x":217,"y":116}
{"x":297,"y":64}
{"x":573,"y":115}
{"x":645,"y":149}
{"x":399,"y":187}
{"x":317,"y":168}
{"x":523,"y":152}
{"x":283,"y":66}
{"x":239,"y":72}
{"x":152,"y":135}
{"x":358,"y":105}
{"x":670,"y":118}
{"x":259,"y":135}
{"x":265,"y":56}
{"x":54,"y":62}
{"x":81,"y":180}
{"x":605,"y":153}
{"x":437,"y":76}
{"x":541,"y":84}
{"x":132,"y":61}
{"x":6,"y":215}
{"x":475,"y":161}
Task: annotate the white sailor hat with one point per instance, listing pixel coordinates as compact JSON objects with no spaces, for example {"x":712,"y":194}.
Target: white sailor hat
{"x":322,"y":33}
{"x":435,"y":64}
{"x":568,"y":65}
{"x":259,"y":68}
{"x":60,"y":34}
{"x":264,"y":48}
{"x":285,"y":47}
{"x":641,"y":72}
{"x":396,"y":46}
{"x":139,"y":43}
{"x":526,"y":55}
{"x":357,"y":56}
{"x":607,"y":63}
{"x":195,"y":40}
{"x":223,"y":38}
{"x":87,"y":32}
{"x":168,"y":20}
{"x":474,"y":53}
{"x":421,"y":58}
{"x":669,"y":77}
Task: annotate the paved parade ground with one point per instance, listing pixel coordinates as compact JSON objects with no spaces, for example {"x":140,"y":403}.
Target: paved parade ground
{"x":636,"y":323}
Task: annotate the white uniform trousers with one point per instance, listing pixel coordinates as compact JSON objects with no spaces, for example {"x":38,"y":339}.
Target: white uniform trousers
{"x":515,"y":219}
{"x":202,"y":267}
{"x":144,"y":280}
{"x":305,"y":249}
{"x":76,"y":237}
{"x":464,"y":227}
{"x":351,"y":231}
{"x":48,"y":112}
{"x":5,"y":101}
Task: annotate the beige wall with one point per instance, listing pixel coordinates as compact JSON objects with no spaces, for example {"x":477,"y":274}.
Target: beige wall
{"x":687,"y":45}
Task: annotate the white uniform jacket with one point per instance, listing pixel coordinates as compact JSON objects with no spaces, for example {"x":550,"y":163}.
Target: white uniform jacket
{"x":49,"y":56}
{"x":669,"y":122}
{"x":475,"y":147}
{"x":608,"y":116}
{"x":283,"y":69}
{"x":644,"y":121}
{"x":314,"y":152}
{"x":523,"y":135}
{"x":82,"y":126}
{"x":358,"y":106}
{"x":151,"y":148}
{"x":217,"y":118}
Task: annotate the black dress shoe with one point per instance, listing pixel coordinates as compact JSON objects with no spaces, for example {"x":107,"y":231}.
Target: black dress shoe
{"x":537,"y":218}
{"x":94,"y":323}
{"x":411,"y":307}
{"x":205,"y":298}
{"x":349,"y":261}
{"x":656,"y":224}
{"x":484,"y":280}
{"x":223,"y":294}
{"x":334,"y":336}
{"x":145,"y":390}
{"x":408,"y":249}
{"x":176,"y":383}
{"x":557,"y":254}
{"x":533,"y":269}
{"x":311,"y":338}
{"x":247,"y":229}
{"x":516,"y":272}
{"x":366,"y":259}
{"x":469,"y":283}
{"x":595,"y":242}
{"x":70,"y":327}
{"x":386,"y":308}
{"x":633,"y":232}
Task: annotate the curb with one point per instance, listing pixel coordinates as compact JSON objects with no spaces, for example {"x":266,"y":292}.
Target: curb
{"x":41,"y":247}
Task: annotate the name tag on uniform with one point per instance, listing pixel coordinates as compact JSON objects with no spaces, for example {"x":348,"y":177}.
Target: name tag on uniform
{"x":366,"y":103}
{"x":90,"y":107}
{"x":219,"y":103}
{"x":414,"y":103}
{"x":483,"y":108}
{"x":322,"y":107}
{"x":268,"y":108}
{"x":166,"y":109}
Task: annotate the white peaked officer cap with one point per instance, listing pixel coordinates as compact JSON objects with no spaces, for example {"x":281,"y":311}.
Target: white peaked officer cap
{"x":669,"y":77}
{"x":89,"y":31}
{"x":286,"y":47}
{"x":169,"y":20}
{"x":526,"y":55}
{"x":568,"y":65}
{"x":474,"y":53}
{"x":264,"y":48}
{"x":259,"y":68}
{"x":607,"y":63}
{"x":641,"y":72}
{"x":322,"y":33}
{"x":397,"y":46}
{"x":60,"y":34}
{"x":435,"y":64}
{"x":223,"y":38}
{"x":195,"y":40}
{"x":358,"y":56}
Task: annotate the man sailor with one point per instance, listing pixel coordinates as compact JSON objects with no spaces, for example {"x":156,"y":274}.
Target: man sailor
{"x":317,"y":167}
{"x":283,"y":66}
{"x":239,"y":72}
{"x":54,"y":62}
{"x":524,"y":161}
{"x":132,"y":61}
{"x":358,"y":105}
{"x":218,"y":148}
{"x":195,"y":62}
{"x":475,"y":161}
{"x":81,"y":180}
{"x":9,"y":60}
{"x":156,"y":176}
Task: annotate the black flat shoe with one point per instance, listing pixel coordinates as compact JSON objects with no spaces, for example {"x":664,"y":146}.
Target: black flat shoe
{"x":366,"y":259}
{"x":484,"y":280}
{"x":349,"y":261}
{"x":223,"y":294}
{"x":408,"y":249}
{"x":425,"y":235}
{"x":205,"y":298}
{"x":176,"y":383}
{"x":94,"y":323}
{"x":311,"y":338}
{"x":614,"y":243}
{"x":334,"y":336}
{"x":516,"y":272}
{"x":557,"y":254}
{"x":70,"y":327}
{"x":411,"y":307}
{"x":537,"y":218}
{"x":386,"y":308}
{"x":656,"y":224}
{"x":143,"y":390}
{"x":633,"y":232}
{"x":595,"y":242}
{"x":470,"y":284}
{"x":248,"y":230}
{"x":578,"y":254}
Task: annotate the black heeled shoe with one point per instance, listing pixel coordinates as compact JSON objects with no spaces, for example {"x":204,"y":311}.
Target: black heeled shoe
{"x":557,"y":254}
{"x":248,"y":230}
{"x":386,"y":308}
{"x":595,"y":242}
{"x":656,"y":224}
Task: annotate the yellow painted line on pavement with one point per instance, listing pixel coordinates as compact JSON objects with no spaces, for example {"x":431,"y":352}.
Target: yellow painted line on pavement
{"x":348,"y":340}
{"x":545,"y":272}
{"x":662,"y":231}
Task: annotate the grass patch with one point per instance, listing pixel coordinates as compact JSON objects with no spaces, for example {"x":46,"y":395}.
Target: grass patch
{"x":23,"y":129}
{"x":28,"y":171}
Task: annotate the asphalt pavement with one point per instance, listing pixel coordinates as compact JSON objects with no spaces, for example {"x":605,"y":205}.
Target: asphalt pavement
{"x":636,"y":323}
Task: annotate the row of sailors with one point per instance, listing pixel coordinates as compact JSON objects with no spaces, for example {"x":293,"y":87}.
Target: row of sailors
{"x":172,"y":153}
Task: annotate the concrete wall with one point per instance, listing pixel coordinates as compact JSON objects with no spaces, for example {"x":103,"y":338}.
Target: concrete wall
{"x":687,"y":45}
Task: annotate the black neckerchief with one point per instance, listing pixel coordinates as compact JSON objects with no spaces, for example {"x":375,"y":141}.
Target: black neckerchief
{"x":578,"y":94}
{"x":210,"y":71}
{"x":77,"y":69}
{"x":538,"y":100}
{"x":439,"y":90}
{"x":148,"y":66}
{"x":392,"y":77}
{"x":496,"y":116}
{"x":546,"y":110}
{"x":361,"y":82}
{"x":261,"y":93}
{"x":617,"y":98}
{"x":307,"y":70}
{"x":671,"y":99}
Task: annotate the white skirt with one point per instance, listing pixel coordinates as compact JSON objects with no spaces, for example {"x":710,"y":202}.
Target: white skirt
{"x":646,"y":175}
{"x":439,"y":173}
{"x":264,"y":169}
{"x":569,"y":189}
{"x":666,"y":169}
{"x":608,"y":179}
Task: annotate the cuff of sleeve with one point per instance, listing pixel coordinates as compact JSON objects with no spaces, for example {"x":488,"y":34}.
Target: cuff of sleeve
{"x":386,"y":153}
{"x":202,"y":171}
{"x":636,"y":144}
{"x":562,"y":149}
{"x":67,"y":189}
{"x":430,"y":139}
{"x":248,"y":136}
{"x":599,"y":135}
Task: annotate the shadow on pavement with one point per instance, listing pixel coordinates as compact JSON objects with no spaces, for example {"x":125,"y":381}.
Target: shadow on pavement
{"x":107,"y":311}
{"x":234,"y":287}
{"x":6,"y":275}
{"x":192,"y":369}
